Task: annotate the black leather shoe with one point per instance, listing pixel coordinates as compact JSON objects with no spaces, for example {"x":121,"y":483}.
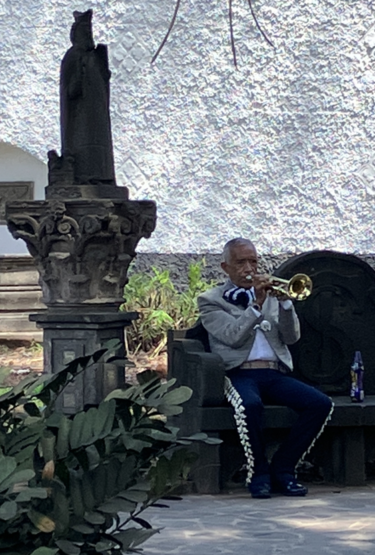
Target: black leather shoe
{"x":286,"y":484}
{"x":260,"y":487}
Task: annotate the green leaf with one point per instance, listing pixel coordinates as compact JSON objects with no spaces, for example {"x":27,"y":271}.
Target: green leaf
{"x":103,"y":546}
{"x":54,"y":420}
{"x":75,"y":490}
{"x":132,"y":444}
{"x":62,"y":445}
{"x":126,"y":473}
{"x":87,"y":436}
{"x":68,"y":547}
{"x":178,"y":396}
{"x":27,"y":454}
{"x":84,"y":528}
{"x":155,"y":434}
{"x":160,"y":474}
{"x":31,"y":493}
{"x":93,"y":456}
{"x":61,"y":511}
{"x":27,"y":435}
{"x":112,"y":471}
{"x":134,"y":495}
{"x":104,"y":418}
{"x":196,"y":437}
{"x":99,"y":478}
{"x":112,"y":345}
{"x":132,"y":537}
{"x":17,"y":477}
{"x":7,"y":466}
{"x":47,"y":442}
{"x":76,"y":430}
{"x":44,"y":551}
{"x":87,"y":493}
{"x":170,"y":410}
{"x":42,"y":522}
{"x":8,"y":510}
{"x":120,"y":394}
{"x":32,"y":409}
{"x":117,"y":505}
{"x":141,"y":486}
{"x":213,"y":441}
{"x":94,"y":518}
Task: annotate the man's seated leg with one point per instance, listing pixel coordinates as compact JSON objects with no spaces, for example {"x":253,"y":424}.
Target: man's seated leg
{"x":314,"y":409}
{"x":251,"y":407}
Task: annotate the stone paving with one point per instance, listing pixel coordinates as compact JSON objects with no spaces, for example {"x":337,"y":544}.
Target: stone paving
{"x":329,"y":520}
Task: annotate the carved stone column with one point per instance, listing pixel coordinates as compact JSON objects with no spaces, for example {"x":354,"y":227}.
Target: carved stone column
{"x":84,"y":235}
{"x":82,"y":250}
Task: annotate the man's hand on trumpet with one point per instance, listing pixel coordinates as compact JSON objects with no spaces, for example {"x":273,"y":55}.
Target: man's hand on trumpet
{"x":262,"y":285}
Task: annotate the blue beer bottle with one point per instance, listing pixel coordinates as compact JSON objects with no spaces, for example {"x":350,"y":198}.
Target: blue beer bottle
{"x":357,"y":393}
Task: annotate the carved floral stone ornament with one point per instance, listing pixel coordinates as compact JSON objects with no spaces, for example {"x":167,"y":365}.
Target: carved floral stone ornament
{"x":82,"y":249}
{"x":231,"y":30}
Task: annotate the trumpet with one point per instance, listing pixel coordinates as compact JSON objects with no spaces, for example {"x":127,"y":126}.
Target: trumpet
{"x":298,"y":287}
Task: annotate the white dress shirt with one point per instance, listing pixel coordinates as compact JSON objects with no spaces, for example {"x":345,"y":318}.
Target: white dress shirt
{"x":261,"y":349}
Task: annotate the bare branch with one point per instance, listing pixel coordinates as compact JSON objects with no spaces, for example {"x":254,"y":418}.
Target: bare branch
{"x":168,"y":32}
{"x":232,"y":34}
{"x":257,"y":24}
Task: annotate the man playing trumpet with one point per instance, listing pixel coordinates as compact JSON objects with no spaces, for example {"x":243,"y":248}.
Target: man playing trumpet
{"x":249,"y":326}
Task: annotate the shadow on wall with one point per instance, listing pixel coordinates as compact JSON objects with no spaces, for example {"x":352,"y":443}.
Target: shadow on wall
{"x":22,"y":177}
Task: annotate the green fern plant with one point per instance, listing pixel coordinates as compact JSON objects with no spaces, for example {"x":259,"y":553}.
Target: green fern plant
{"x":161,"y":306}
{"x":64,"y":479}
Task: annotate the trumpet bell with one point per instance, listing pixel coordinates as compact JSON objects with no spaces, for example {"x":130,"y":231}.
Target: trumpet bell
{"x":298,"y":288}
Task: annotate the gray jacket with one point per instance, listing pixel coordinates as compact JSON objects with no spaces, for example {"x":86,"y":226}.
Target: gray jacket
{"x":232,"y":329}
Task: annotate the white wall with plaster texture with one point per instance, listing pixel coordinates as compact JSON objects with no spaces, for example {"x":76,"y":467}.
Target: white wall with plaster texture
{"x":280,"y":150}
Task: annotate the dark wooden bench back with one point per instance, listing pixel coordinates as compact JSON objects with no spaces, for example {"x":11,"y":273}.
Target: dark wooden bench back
{"x":336,"y":320}
{"x":200,"y":333}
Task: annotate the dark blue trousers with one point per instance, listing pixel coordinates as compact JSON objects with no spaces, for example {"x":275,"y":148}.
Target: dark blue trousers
{"x":272,"y":387}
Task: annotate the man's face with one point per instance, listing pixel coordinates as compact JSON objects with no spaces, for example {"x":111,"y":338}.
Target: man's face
{"x":243,"y":262}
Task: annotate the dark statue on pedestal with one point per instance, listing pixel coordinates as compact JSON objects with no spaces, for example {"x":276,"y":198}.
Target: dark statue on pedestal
{"x":86,"y":141}
{"x":84,"y":98}
{"x":84,"y":235}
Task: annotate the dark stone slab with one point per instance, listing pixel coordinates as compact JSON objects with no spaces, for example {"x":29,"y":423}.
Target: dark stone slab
{"x":68,"y":336}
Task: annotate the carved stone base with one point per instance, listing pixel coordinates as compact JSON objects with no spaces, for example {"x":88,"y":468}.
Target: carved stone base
{"x":70,"y":335}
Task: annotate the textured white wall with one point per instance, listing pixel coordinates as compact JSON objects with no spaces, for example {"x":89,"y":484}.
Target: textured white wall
{"x":279,"y":150}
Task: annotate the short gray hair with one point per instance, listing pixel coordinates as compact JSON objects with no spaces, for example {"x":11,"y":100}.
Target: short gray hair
{"x":233,"y":243}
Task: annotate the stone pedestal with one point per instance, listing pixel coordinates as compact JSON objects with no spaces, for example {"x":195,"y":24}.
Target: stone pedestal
{"x":68,"y":336}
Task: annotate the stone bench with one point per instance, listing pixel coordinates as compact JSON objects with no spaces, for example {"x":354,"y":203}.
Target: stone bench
{"x":336,"y":320}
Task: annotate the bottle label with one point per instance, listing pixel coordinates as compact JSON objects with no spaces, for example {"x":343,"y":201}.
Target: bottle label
{"x":356,"y":390}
